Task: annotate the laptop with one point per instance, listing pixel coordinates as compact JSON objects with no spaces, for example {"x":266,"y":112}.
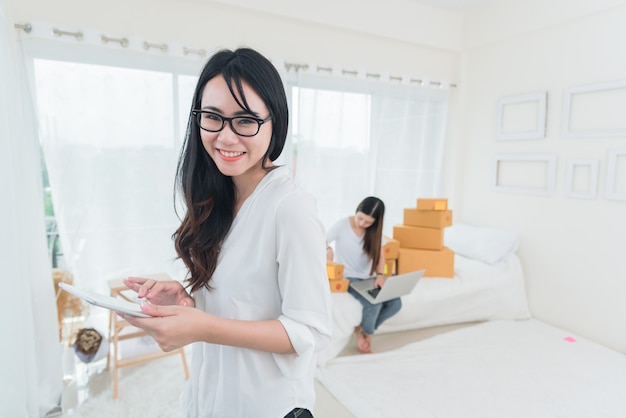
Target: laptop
{"x":394,"y":287}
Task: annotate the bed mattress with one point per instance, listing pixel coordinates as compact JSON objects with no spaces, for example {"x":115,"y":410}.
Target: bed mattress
{"x":477,"y":292}
{"x":501,"y":368}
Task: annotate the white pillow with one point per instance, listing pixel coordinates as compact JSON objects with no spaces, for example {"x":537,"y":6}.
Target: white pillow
{"x":488,"y":245}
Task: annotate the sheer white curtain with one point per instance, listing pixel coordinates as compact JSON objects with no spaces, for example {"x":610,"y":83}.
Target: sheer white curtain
{"x":111,"y":125}
{"x":354,"y":138}
{"x":30,"y":355}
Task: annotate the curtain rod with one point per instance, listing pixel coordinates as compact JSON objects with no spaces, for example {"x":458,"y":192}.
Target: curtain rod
{"x":49,"y":31}
{"x":45,"y":30}
{"x":297,"y":68}
{"x":25,"y":27}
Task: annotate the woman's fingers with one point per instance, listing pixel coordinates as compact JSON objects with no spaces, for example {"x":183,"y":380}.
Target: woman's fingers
{"x":145,"y":288}
{"x":160,"y":292}
{"x":134,"y":283}
{"x":140,"y":285}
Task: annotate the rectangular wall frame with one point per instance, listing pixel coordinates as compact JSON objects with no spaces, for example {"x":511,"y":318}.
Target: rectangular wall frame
{"x":532,"y":174}
{"x":575,"y":173}
{"x":616,"y":174}
{"x":521,"y":117}
{"x":594,"y":110}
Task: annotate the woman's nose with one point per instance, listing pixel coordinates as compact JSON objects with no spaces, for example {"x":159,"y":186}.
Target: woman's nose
{"x":227,"y":134}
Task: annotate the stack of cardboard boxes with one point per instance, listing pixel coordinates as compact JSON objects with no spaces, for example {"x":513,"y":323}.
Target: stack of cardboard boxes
{"x":337,"y":282}
{"x":416,"y":244}
{"x":421,"y":239}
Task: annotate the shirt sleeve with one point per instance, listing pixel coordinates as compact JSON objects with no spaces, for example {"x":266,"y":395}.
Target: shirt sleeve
{"x":302,"y":281}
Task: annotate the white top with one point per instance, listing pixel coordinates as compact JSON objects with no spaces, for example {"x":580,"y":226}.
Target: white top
{"x":272,"y":264}
{"x":349,"y":250}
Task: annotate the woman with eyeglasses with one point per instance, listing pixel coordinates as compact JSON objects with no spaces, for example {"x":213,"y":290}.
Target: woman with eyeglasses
{"x":257,"y":302}
{"x":358,"y":246}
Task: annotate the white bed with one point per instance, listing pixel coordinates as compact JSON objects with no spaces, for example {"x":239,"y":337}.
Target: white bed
{"x":507,"y":365}
{"x":488,"y":284}
{"x":505,"y":368}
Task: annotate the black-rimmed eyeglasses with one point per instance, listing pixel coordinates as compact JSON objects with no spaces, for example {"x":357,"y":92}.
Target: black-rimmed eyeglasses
{"x":241,"y":125}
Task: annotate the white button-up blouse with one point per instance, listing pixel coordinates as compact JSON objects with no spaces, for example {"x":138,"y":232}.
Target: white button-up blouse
{"x":272,"y":265}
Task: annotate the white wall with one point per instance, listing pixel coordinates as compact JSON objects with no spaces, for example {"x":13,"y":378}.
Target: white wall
{"x":292,"y":34}
{"x":573,"y":250}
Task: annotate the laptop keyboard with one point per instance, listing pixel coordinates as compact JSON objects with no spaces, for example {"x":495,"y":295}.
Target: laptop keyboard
{"x":374,"y":292}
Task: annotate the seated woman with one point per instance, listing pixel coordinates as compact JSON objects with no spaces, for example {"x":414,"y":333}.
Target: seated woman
{"x":358,"y":245}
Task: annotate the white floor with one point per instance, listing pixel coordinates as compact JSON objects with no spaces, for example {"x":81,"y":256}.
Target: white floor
{"x":86,"y":380}
{"x":92,"y":379}
{"x":329,"y":407}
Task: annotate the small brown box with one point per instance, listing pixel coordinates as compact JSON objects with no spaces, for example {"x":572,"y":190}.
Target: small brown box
{"x":339,"y":285}
{"x":418,"y":237}
{"x":428,"y":218}
{"x":436,"y":263}
{"x":390,"y":249}
{"x":432,"y":204}
{"x":334,"y":270}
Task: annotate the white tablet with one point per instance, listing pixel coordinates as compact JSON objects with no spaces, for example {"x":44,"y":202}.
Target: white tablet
{"x":104,"y":301}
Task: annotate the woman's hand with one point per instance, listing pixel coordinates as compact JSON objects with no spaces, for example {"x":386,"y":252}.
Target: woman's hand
{"x":160,"y":292}
{"x":172,"y":327}
{"x":380,"y":281}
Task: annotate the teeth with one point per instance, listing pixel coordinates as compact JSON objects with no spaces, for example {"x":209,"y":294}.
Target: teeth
{"x":231,"y":153}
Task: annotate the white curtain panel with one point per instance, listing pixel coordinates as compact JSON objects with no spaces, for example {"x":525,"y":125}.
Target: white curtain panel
{"x":111,"y":127}
{"x":354,"y":138}
{"x":30,"y":354}
{"x":408,"y":133}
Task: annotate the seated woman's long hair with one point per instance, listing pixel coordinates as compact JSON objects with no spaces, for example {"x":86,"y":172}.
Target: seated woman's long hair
{"x":372,"y":240}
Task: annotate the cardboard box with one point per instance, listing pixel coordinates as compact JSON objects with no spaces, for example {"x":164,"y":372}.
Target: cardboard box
{"x":334,"y":270}
{"x":339,"y":285}
{"x":436,"y":263}
{"x":432,"y":204}
{"x":427,"y":218}
{"x":418,"y":237}
{"x":390,"y":249}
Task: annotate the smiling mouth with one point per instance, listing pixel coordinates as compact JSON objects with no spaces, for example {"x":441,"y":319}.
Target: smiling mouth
{"x":231,"y":154}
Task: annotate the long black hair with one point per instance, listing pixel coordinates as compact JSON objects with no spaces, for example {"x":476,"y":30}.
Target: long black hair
{"x":208,"y":195}
{"x":375,"y":208}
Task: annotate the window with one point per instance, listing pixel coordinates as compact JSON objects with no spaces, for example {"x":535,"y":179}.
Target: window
{"x":111,"y":126}
{"x":331,"y":148}
{"x":110,"y":135}
{"x":352,"y":139}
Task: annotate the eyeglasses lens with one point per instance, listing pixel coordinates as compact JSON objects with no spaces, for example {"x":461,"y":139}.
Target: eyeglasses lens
{"x":241,"y":125}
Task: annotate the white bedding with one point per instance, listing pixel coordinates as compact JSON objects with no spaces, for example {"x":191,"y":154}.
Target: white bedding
{"x":478,"y":292}
{"x":497,"y":369}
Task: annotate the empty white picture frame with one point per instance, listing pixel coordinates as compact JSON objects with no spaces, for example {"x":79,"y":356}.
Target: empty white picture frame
{"x":521,"y":117}
{"x":616,"y":174}
{"x":594,"y":110}
{"x":581,"y":178}
{"x":525,"y":173}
